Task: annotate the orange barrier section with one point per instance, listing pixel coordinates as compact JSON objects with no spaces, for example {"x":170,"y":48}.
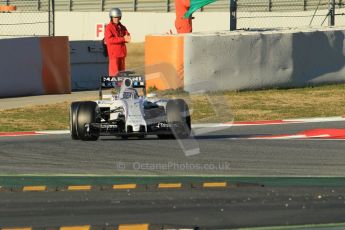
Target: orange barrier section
{"x":7,"y":8}
{"x":164,"y":61}
{"x":56,"y":72}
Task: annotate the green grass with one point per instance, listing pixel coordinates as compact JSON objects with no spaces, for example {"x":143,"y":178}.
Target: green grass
{"x":135,"y":58}
{"x":43,"y":117}
{"x":272,"y":104}
{"x":290,"y":103}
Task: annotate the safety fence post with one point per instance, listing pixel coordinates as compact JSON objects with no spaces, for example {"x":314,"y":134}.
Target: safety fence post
{"x":168,"y":5}
{"x":331,"y":13}
{"x":51,"y":17}
{"x":233,"y":13}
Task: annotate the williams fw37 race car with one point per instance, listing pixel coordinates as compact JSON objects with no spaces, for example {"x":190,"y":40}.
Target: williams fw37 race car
{"x":125,"y":114}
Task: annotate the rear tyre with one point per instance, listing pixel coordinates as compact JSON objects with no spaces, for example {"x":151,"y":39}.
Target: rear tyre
{"x":73,"y":120}
{"x":177,"y":112}
{"x":88,"y":112}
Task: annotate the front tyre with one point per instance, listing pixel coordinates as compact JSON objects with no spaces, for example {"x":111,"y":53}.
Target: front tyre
{"x":73,"y":113}
{"x":88,"y":112}
{"x":178,"y":118}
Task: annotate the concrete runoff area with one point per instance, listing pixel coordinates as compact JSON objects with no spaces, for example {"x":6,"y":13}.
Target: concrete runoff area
{"x":20,"y":102}
{"x":263,"y":59}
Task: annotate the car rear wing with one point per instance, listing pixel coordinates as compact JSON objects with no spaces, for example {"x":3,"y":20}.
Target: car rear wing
{"x":108,"y":82}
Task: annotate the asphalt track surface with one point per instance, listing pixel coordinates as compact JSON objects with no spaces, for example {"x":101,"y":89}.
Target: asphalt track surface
{"x":210,"y":209}
{"x":224,"y":152}
{"x":229,"y":149}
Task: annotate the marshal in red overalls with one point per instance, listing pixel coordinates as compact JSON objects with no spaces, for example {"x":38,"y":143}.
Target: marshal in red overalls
{"x":182,"y":25}
{"x":114,"y":37}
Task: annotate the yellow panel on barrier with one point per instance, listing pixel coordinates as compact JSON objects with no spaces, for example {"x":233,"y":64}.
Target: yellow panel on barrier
{"x":164,"y":61}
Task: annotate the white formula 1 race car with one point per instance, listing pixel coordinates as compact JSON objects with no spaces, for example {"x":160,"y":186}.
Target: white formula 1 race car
{"x":124,"y":113}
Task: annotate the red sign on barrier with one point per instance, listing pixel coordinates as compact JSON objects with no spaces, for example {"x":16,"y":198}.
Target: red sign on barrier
{"x":100,"y":31}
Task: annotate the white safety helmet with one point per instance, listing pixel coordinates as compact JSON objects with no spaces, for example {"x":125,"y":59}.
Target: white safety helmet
{"x":115,"y":13}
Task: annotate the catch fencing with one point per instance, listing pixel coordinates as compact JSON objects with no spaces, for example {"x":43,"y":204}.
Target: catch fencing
{"x":27,"y":18}
{"x":36,"y":17}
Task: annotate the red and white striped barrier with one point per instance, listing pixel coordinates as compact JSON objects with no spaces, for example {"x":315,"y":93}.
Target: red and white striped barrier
{"x":309,"y":134}
{"x":291,"y":121}
{"x":33,"y":133}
